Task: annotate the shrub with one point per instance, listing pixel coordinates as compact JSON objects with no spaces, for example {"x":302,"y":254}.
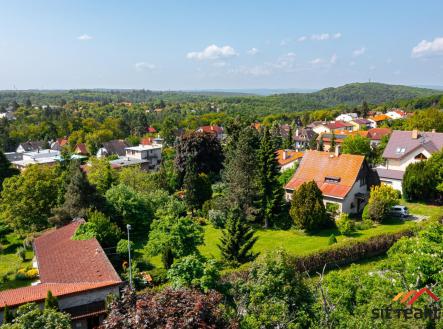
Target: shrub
{"x":365,"y":224}
{"x":32,"y":273}
{"x":122,"y":247}
{"x":345,"y":225}
{"x":332,"y":239}
{"x":217,"y":218}
{"x":381,"y":199}
{"x":21,"y":253}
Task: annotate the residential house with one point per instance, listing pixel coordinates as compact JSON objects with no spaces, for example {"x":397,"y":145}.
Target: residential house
{"x":333,"y":126}
{"x":396,"y":114}
{"x":31,"y":146}
{"x":7,"y":115}
{"x":287,"y":159}
{"x":344,"y":179}
{"x":337,"y":137}
{"x":59,"y":144}
{"x":77,"y":272}
{"x":81,"y":149}
{"x":302,"y":138}
{"x":40,"y":157}
{"x":404,"y":148}
{"x":151,"y":130}
{"x":114,"y":147}
{"x":148,"y":157}
{"x":347,"y":117}
{"x":361,"y":124}
{"x":377,"y":120}
{"x":217,"y":130}
{"x":376,"y":135}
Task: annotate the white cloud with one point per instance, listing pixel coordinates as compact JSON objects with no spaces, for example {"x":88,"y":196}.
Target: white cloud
{"x":320,"y":37}
{"x":212,"y":52}
{"x":84,"y":37}
{"x":325,"y":36}
{"x":220,"y":64}
{"x":428,"y":48}
{"x":333,"y":59}
{"x":302,"y":38}
{"x":359,"y":51}
{"x":316,"y":61}
{"x":143,"y":66}
{"x":253,"y":51}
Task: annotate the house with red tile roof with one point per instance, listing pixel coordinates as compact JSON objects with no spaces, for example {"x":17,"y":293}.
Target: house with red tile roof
{"x":77,"y":272}
{"x":344,"y":179}
{"x":332,"y":126}
{"x":217,"y":130}
{"x":59,"y":143}
{"x":151,"y":130}
{"x":376,"y":134}
{"x":404,"y":148}
{"x":81,"y":149}
{"x":287,"y":159}
{"x":378,"y":120}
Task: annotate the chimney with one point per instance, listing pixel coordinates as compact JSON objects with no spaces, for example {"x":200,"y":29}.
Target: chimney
{"x":414,"y":134}
{"x":285,"y":154}
{"x":337,"y":150}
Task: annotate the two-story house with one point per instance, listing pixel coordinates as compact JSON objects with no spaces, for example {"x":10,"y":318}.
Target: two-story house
{"x":404,"y":148}
{"x":148,"y":157}
{"x":344,"y":179}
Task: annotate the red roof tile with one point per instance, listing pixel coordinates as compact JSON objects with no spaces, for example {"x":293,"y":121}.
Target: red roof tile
{"x":316,"y":166}
{"x":81,"y":149}
{"x":61,"y":259}
{"x":19,"y":296}
{"x":66,"y":266}
{"x":378,"y":133}
{"x":211,"y":129}
{"x":291,"y":156}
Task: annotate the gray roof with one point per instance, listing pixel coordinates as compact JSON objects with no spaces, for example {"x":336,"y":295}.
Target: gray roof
{"x":391,"y":174}
{"x":30,"y":146}
{"x":116,"y":147}
{"x":401,"y":143}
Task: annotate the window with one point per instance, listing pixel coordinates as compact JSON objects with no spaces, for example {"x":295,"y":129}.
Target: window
{"x":400,"y":150}
{"x":332,"y":179}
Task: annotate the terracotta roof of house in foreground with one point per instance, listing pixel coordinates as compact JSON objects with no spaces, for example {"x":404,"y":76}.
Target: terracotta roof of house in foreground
{"x":334,"y":175}
{"x":291,"y":156}
{"x":65,"y":266}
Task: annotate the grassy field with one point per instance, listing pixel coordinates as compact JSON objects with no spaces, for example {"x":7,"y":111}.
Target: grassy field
{"x":297,"y":242}
{"x":10,"y":262}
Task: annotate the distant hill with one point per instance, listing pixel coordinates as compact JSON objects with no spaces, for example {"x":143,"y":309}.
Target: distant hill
{"x":356,"y":93}
{"x":350,"y":94}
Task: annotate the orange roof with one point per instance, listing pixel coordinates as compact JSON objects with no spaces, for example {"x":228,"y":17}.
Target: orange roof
{"x":81,"y":149}
{"x":147,"y":140}
{"x":19,"y":296}
{"x":291,"y":156}
{"x":378,"y":133}
{"x":318,"y":166}
{"x":65,"y":266}
{"x":379,"y":117}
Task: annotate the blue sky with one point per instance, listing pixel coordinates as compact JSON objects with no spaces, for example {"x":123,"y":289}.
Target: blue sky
{"x":208,"y":44}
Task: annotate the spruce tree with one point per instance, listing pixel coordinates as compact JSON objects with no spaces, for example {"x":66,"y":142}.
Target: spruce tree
{"x":79,"y":196}
{"x":197,"y":188}
{"x":240,"y":173}
{"x":307,"y":208}
{"x":51,"y":301}
{"x":5,"y":169}
{"x":270,"y":191}
{"x":237,"y":239}
{"x":7,"y":315}
{"x":288,"y":140}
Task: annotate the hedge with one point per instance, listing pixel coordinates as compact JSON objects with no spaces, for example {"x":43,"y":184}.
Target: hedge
{"x":344,"y":254}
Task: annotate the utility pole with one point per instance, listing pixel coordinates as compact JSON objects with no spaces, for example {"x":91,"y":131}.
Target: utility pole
{"x":128,"y":227}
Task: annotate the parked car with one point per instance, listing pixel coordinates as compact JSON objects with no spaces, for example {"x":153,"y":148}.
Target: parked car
{"x":399,"y":211}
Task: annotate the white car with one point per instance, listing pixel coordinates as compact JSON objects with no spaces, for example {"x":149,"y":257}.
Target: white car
{"x":400,"y":211}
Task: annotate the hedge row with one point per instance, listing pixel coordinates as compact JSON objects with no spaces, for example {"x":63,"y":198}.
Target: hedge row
{"x":340,"y":255}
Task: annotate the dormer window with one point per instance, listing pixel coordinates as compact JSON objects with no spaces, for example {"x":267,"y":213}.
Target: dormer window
{"x":332,"y":179}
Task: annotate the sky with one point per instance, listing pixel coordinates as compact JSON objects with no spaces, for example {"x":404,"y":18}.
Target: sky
{"x":208,"y":44}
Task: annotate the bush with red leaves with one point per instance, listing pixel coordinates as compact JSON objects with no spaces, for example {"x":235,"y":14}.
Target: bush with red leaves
{"x":171,"y":309}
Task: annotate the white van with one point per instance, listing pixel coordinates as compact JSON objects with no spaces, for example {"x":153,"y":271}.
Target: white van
{"x":399,"y":211}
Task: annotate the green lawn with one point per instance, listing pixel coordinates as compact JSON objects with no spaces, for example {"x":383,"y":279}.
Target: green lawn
{"x":10,"y":262}
{"x":296,"y":242}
